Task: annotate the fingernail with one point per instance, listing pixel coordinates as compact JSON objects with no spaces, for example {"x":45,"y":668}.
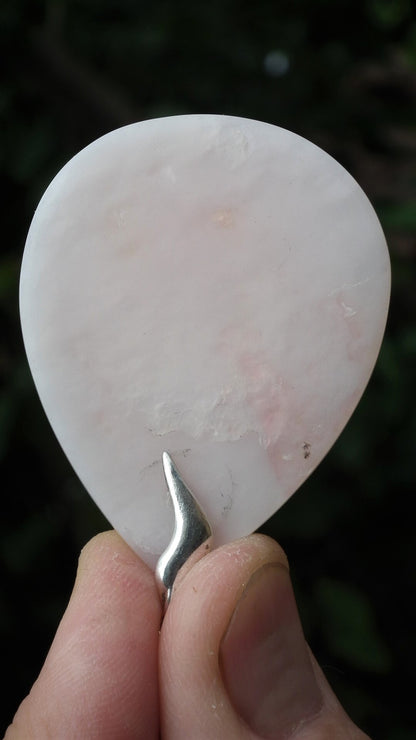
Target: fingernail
{"x":264,"y":658}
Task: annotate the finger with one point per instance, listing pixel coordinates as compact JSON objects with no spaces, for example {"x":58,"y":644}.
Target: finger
{"x":99,"y":679}
{"x":233,"y":659}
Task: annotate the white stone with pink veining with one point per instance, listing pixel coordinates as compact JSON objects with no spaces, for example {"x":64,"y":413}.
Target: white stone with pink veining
{"x":211,"y":286}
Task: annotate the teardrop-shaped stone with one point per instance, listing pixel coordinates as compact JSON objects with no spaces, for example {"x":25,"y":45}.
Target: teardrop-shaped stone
{"x":207,"y":285}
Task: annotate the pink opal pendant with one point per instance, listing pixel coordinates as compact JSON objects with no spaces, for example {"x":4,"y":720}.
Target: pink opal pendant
{"x":211,"y":286}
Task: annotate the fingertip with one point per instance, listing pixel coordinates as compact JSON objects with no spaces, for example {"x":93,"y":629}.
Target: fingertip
{"x":100,"y":676}
{"x":245,"y":554}
{"x":107,"y":557}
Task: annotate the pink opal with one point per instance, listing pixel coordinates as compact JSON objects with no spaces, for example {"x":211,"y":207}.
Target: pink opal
{"x":211,"y":286}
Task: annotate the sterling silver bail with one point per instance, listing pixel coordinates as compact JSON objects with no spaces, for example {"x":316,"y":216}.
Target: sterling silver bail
{"x":192,"y":536}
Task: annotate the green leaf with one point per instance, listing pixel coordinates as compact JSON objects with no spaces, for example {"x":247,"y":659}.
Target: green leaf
{"x":398,"y":217}
{"x":389,"y":13}
{"x":350,"y":628}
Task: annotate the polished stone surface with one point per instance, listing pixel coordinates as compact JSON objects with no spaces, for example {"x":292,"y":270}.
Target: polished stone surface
{"x":211,"y":286}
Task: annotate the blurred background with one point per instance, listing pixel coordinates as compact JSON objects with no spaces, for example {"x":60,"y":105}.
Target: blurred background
{"x":341,"y":73}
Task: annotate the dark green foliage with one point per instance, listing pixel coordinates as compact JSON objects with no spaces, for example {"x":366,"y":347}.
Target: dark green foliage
{"x":343,"y":74}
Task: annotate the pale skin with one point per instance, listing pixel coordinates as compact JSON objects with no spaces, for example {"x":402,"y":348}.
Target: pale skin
{"x":229,"y":662}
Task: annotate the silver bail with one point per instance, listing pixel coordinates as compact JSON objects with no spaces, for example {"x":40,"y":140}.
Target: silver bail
{"x":192,"y":536}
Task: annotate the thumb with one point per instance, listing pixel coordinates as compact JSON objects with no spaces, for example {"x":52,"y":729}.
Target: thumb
{"x":233,"y":659}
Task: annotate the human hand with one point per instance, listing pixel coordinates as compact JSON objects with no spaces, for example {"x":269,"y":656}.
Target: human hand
{"x":229,"y":663}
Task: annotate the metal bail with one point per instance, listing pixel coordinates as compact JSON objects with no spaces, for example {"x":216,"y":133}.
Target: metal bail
{"x":192,"y":536}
